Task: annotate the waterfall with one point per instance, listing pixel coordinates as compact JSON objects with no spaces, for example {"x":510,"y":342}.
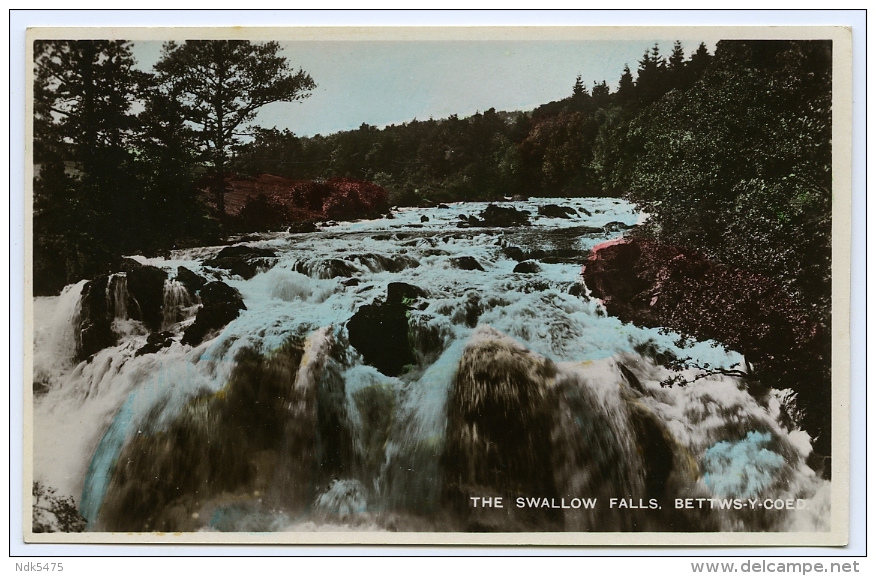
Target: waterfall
{"x":501,"y":383}
{"x":177,"y":303}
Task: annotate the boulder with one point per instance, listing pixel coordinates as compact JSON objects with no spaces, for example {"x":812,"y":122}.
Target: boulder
{"x":146,"y":295}
{"x":398,"y":292}
{"x":155,"y":342}
{"x":499,"y":431}
{"x":556,"y":211}
{"x":527,"y":267}
{"x":95,"y":319}
{"x":193,"y":282}
{"x":615,"y":227}
{"x":220,"y":305}
{"x":514,"y":253}
{"x":379,"y":332}
{"x":467,"y":263}
{"x":498,"y":217}
{"x":243,"y":261}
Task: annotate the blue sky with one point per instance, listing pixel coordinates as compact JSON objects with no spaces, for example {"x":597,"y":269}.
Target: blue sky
{"x":390,"y":82}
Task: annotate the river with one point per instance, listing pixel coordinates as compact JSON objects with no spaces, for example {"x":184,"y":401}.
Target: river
{"x":399,"y":374}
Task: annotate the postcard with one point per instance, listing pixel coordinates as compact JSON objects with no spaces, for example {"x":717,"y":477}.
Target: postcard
{"x":438,"y":285}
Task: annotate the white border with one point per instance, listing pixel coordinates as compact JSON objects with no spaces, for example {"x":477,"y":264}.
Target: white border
{"x":19,"y":20}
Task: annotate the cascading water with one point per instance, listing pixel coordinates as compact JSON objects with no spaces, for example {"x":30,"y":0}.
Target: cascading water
{"x":382,"y":374}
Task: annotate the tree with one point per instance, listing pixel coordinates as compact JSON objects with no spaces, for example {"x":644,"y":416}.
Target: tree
{"x":626,"y":87}
{"x":221,"y":85}
{"x":579,"y":90}
{"x":85,"y":206}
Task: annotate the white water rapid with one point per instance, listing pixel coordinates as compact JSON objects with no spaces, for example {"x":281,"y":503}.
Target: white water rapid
{"x":384,"y":373}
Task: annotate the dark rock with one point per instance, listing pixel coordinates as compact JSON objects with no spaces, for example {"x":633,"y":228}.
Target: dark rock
{"x":302,"y":227}
{"x":379,"y":332}
{"x":444,"y":206}
{"x":499,"y":435}
{"x":189,"y":279}
{"x":463,"y":217}
{"x":128,"y":264}
{"x":398,"y":292}
{"x":527,"y":267}
{"x":221,"y":305}
{"x":424,"y":218}
{"x":585,"y":211}
{"x":325,"y":269}
{"x":555,"y":211}
{"x":155,"y":342}
{"x":615,"y":227}
{"x":381,"y":263}
{"x":577,"y":290}
{"x":350,"y":282}
{"x":467,"y":263}
{"x":514,"y":253}
{"x":146,"y":295}
{"x":519,"y":198}
{"x":243,"y":261}
{"x":95,"y":319}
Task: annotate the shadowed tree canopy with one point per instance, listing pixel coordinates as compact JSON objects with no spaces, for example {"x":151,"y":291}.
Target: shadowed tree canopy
{"x":220,"y":85}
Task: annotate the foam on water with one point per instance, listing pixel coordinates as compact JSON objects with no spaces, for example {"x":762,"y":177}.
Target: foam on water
{"x":397,"y":425}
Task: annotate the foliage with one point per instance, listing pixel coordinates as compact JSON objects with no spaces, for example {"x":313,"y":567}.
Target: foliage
{"x":52,"y":513}
{"x":739,"y":166}
{"x":219,"y":86}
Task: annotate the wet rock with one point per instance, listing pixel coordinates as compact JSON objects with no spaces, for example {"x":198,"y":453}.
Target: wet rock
{"x":585,"y":211}
{"x":243,"y":261}
{"x":499,"y":217}
{"x":527,"y":267}
{"x":424,"y":218}
{"x":467,"y":263}
{"x":95,"y":319}
{"x":146,"y":295}
{"x":577,"y":289}
{"x":615,"y":227}
{"x":302,"y":227}
{"x":514,"y":253}
{"x":498,"y":438}
{"x":380,"y":263}
{"x":398,"y":292}
{"x":350,"y":282}
{"x":379,"y":332}
{"x":128,"y":264}
{"x":444,"y":206}
{"x":155,"y":342}
{"x":325,"y":269}
{"x":555,"y":211}
{"x":218,"y":451}
{"x":193,"y":282}
{"x":221,"y":305}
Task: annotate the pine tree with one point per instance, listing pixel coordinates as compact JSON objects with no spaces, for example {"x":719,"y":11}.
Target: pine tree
{"x":675,"y":67}
{"x":579,"y":90}
{"x":85,"y":202}
{"x":221,"y":86}
{"x":626,"y":87}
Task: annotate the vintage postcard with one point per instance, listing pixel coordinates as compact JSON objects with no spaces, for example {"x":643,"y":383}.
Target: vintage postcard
{"x":531,"y":286}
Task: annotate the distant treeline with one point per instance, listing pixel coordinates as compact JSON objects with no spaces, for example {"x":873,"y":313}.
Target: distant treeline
{"x":564,"y":148}
{"x":729,"y":153}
